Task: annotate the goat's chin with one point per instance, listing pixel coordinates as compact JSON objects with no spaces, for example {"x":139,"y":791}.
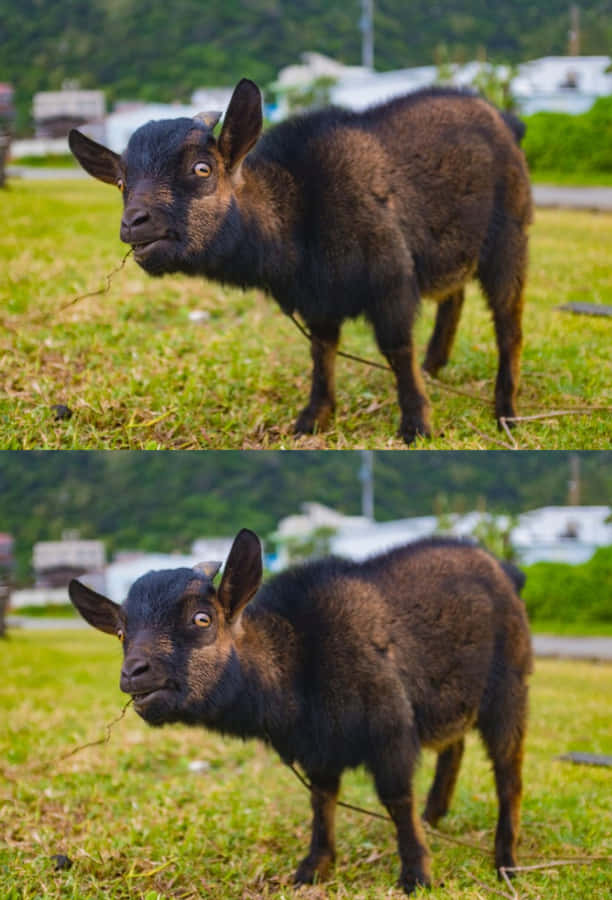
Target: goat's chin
{"x":158,"y":708}
{"x":160,"y":258}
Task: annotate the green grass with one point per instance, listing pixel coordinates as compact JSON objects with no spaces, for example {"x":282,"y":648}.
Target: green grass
{"x":572,"y":179}
{"x":51,"y":161}
{"x":137,"y":373}
{"x":53,"y":611}
{"x":137,"y":824}
{"x":574,"y":629}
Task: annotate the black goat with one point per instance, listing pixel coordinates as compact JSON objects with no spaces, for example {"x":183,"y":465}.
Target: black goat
{"x":338,"y":214}
{"x":338,"y":664}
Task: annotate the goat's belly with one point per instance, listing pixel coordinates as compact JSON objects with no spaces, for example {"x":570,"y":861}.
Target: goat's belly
{"x":443,"y":287}
{"x":437,"y":732}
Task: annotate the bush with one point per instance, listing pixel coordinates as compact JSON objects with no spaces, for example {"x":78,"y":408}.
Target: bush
{"x":565,"y":143}
{"x":566,"y":593}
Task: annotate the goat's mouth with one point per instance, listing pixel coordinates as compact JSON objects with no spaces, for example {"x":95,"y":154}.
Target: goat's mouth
{"x":143,"y":248}
{"x":165,"y":694}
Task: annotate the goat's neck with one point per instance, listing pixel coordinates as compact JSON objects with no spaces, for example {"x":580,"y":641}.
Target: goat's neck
{"x":264,"y":703}
{"x":256,"y":246}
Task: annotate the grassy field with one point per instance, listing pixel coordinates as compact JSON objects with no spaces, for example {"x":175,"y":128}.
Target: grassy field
{"x":136,"y":823}
{"x":137,"y":372}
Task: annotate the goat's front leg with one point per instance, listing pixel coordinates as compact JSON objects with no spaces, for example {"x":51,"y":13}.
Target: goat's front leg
{"x":392,"y":320}
{"x":323,"y":346}
{"x":322,"y":844}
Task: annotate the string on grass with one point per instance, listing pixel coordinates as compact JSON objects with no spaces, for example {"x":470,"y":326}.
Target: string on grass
{"x":503,"y":871}
{"x":44,"y":767}
{"x":45,"y":317}
{"x":512,"y":443}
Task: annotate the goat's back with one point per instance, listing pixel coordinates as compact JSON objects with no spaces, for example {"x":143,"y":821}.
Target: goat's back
{"x":422,"y":631}
{"x":425,"y":177}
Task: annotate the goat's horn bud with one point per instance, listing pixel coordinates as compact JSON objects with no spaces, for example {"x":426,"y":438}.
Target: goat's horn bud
{"x":209,"y":569}
{"x":210,"y":119}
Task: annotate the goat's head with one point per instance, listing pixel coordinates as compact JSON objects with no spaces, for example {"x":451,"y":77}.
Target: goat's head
{"x":177,"y":179}
{"x":178,"y":633}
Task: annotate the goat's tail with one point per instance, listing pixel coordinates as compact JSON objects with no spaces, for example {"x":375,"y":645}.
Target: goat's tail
{"x":516,"y":125}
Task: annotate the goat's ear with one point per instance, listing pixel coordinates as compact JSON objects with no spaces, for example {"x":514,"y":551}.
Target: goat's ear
{"x":96,"y":609}
{"x":242,"y":574}
{"x":242,"y":124}
{"x":96,"y":159}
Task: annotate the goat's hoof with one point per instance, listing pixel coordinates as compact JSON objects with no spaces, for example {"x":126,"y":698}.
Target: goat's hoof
{"x":310,"y":419}
{"x":505,"y":860}
{"x":504,"y":409}
{"x":409,"y":882}
{"x":313,"y":867}
{"x":505,"y":418}
{"x":432,"y":816}
{"x":432,"y":366}
{"x":413,"y":427}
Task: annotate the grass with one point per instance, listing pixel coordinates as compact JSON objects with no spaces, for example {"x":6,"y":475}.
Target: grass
{"x":136,"y":823}
{"x":51,"y":161}
{"x":138,"y":373}
{"x":573,"y":629}
{"x":572,"y":179}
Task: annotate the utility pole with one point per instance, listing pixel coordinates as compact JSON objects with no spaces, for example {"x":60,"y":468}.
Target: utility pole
{"x":573,"y":485}
{"x":366,"y":476}
{"x":366,"y":24}
{"x":574,"y":32}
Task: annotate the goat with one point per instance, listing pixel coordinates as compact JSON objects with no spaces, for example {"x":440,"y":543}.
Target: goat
{"x":337,"y":664}
{"x":338,"y":214}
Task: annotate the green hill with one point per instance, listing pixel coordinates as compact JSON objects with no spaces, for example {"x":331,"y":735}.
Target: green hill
{"x":153,"y":49}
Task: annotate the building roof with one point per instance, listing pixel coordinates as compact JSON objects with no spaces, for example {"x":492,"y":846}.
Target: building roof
{"x":70,"y":553}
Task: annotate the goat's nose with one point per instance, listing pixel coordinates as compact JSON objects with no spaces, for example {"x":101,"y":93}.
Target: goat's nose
{"x":132,"y":218}
{"x":132,"y":668}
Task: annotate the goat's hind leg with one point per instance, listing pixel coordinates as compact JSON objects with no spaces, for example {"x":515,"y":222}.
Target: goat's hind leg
{"x":392,"y":321}
{"x":504,"y":741}
{"x":323,"y":346}
{"x":441,"y":791}
{"x":322,"y":851}
{"x":502,"y":274}
{"x":393,"y":770}
{"x":448,"y":314}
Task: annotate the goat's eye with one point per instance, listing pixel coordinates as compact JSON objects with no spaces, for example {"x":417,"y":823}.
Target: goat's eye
{"x":121,"y":184}
{"x":202,"y":169}
{"x":202,"y":619}
{"x":120,"y":634}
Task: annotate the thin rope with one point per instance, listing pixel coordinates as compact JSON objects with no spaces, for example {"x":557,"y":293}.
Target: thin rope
{"x":45,"y":317}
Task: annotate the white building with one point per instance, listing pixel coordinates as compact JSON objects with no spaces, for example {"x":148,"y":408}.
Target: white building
{"x":568,"y":84}
{"x":120,"y":126}
{"x":70,"y":553}
{"x":121,"y":575}
{"x":557,"y":83}
{"x":558,"y":533}
{"x":215,"y":548}
{"x":562,"y":533}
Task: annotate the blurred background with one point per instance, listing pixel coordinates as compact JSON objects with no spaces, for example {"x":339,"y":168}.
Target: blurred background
{"x":108,"y":517}
{"x":109,"y":66}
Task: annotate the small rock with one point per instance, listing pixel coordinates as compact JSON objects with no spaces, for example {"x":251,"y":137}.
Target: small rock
{"x":61,"y":861}
{"x":199,"y":316}
{"x":61,"y":411}
{"x":199,"y":766}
